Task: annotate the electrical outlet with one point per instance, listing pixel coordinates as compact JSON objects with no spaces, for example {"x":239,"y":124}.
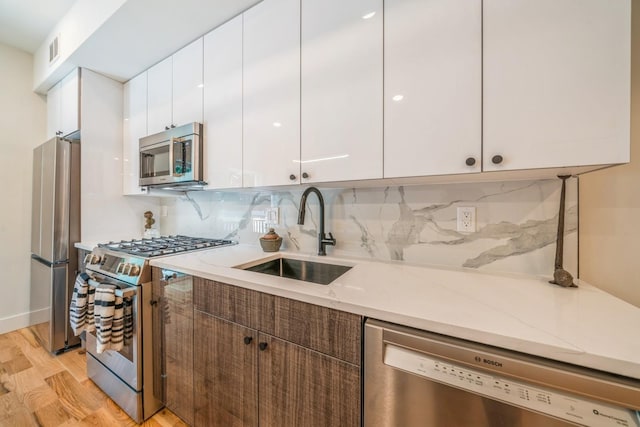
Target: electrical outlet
{"x":467,"y":219}
{"x":273,"y":216}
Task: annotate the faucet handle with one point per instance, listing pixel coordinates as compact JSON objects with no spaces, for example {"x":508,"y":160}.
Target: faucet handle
{"x":331,"y":240}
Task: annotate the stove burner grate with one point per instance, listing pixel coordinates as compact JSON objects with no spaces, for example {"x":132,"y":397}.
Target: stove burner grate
{"x":166,"y":245}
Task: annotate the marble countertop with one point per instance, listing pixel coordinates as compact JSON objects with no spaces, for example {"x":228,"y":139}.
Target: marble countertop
{"x":584,"y":326}
{"x":87,"y":246}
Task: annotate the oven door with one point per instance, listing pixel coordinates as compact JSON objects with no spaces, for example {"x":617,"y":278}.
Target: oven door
{"x":126,"y":363}
{"x":155,"y":163}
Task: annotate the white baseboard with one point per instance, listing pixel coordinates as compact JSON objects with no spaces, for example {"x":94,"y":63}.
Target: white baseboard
{"x":22,"y":320}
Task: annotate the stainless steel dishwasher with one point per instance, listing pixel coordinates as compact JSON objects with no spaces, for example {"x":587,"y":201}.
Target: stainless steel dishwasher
{"x":416,"y":378}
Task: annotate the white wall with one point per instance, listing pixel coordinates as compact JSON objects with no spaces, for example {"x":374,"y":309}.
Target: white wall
{"x":82,"y":20}
{"x":23,"y":125}
{"x":610,"y":206}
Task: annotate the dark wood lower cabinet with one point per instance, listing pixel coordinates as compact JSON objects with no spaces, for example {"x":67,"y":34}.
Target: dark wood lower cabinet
{"x":173,"y":342}
{"x":301,"y":387}
{"x":260,"y":360}
{"x":226,"y":373}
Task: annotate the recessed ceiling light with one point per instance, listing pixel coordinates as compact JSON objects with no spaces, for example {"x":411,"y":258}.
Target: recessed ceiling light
{"x":369,"y":15}
{"x":398,"y":98}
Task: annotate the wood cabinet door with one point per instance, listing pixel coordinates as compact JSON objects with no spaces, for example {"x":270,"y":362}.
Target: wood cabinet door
{"x":187,"y":84}
{"x":226,"y":372}
{"x":159,"y":93}
{"x":432,"y":87}
{"x":301,"y":387}
{"x":341,"y":90}
{"x":134,"y":128}
{"x":556,"y":83}
{"x":223,"y":105}
{"x":177,"y":323}
{"x":271,"y":94}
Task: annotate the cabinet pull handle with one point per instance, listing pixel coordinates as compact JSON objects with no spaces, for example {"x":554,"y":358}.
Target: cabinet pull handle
{"x":247,"y":340}
{"x":262,"y":346}
{"x":153,"y":302}
{"x":470,"y":161}
{"x":497,"y":159}
{"x":305,"y":175}
{"x":292,"y":177}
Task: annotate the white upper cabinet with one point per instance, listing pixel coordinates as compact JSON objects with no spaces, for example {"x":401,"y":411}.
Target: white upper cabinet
{"x":341,"y":109}
{"x":556,"y":83}
{"x":53,"y":111}
{"x":63,"y":103}
{"x":187,"y":84}
{"x":223,"y":105}
{"x":272,"y":93}
{"x":175,"y":89}
{"x":433,"y":87}
{"x":159,"y":108}
{"x":134,"y":128}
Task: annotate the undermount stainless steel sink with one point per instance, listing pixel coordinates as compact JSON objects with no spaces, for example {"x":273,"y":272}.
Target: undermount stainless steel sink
{"x":308,"y":271}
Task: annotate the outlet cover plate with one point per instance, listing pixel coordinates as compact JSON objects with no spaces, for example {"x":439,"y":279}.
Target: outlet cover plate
{"x":467,"y":219}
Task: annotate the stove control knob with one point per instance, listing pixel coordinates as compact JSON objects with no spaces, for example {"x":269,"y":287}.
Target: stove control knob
{"x":120,"y":268}
{"x":87,"y":257}
{"x":134,"y":271}
{"x":95,"y":259}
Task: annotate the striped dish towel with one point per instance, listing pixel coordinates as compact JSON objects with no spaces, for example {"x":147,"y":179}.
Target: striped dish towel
{"x":109,"y":318}
{"x":79,"y":304}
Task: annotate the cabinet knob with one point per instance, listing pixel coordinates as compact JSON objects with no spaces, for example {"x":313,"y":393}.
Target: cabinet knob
{"x":497,"y":159}
{"x":247,"y":340}
{"x":292,"y":177}
{"x":470,"y":161}
{"x":262,"y":346}
{"x":172,"y":126}
{"x":166,"y":128}
{"x":305,"y":175}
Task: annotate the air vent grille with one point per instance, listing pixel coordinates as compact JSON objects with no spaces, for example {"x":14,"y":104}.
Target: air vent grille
{"x":54,"y":51}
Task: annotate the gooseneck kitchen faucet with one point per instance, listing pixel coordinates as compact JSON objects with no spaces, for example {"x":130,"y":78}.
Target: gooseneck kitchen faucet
{"x":323,"y":240}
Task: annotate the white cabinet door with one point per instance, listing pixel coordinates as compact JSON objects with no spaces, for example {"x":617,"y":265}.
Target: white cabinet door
{"x":53,"y":111}
{"x":159,"y":102}
{"x":433,"y":87}
{"x":341,"y":90}
{"x":556,"y":83}
{"x":70,"y":102}
{"x":187,"y":84}
{"x":134,"y":128}
{"x":63,"y":104}
{"x":223,"y":105}
{"x":272,"y":93}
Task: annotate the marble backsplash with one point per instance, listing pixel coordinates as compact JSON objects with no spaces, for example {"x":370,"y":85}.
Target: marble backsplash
{"x":516,"y":222}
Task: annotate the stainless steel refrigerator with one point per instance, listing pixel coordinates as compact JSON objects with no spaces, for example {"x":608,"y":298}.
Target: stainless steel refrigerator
{"x":55,"y":228}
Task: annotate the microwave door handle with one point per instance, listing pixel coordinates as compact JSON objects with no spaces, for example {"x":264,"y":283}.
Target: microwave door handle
{"x":181,"y":160}
{"x":171,"y":164}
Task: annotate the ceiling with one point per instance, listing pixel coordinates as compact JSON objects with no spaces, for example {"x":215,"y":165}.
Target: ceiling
{"x":24,"y":24}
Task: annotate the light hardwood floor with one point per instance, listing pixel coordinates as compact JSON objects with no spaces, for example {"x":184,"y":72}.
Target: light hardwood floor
{"x":39,"y":389}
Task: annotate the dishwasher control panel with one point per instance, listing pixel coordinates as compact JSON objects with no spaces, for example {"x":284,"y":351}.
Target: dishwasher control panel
{"x":551,"y":402}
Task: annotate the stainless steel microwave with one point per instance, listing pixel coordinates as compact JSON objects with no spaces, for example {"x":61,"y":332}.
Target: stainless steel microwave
{"x":173,"y":157}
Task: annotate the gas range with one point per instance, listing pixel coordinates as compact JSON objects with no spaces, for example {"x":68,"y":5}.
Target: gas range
{"x":129,"y":376}
{"x":127,"y":260}
{"x":167,"y":245}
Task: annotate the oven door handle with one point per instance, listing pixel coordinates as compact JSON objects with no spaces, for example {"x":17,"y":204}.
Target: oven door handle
{"x":124,"y":293}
